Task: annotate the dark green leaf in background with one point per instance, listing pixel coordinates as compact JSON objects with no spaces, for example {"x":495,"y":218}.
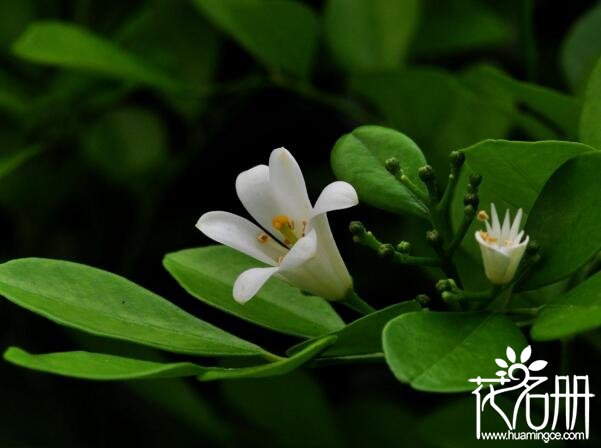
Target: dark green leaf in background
{"x":67,"y":45}
{"x":565,"y":220}
{"x":105,"y":304}
{"x":208,"y":273}
{"x":359,"y":157}
{"x":440,"y":352}
{"x":370,"y":35}
{"x":590,"y":130}
{"x":576,"y":311}
{"x":282,"y":34}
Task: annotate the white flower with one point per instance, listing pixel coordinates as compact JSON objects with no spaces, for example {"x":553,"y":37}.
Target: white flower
{"x":502,"y":247}
{"x":295,"y":238}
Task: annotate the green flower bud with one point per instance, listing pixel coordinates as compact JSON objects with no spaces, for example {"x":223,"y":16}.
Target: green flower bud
{"x":475,"y":179}
{"x":469,"y":211}
{"x":457,"y":158}
{"x":443,"y":285}
{"x":357,"y":228}
{"x":533,"y":248}
{"x":386,"y":251}
{"x":433,"y":238}
{"x":423,"y":299}
{"x":471,"y":199}
{"x":426,"y":173}
{"x":393,"y":165}
{"x":404,"y":247}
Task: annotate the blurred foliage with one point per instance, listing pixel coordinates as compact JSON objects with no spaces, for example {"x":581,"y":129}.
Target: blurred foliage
{"x":121,"y":122}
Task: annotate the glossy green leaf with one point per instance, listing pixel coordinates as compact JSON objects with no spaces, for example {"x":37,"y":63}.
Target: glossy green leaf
{"x":576,"y":311}
{"x":362,"y":337}
{"x":582,"y":48}
{"x":590,"y":131}
{"x":105,"y":304}
{"x":440,"y":352}
{"x":416,"y":101}
{"x":208,"y":273}
{"x":70,"y":46}
{"x":565,"y":220}
{"x":513,"y":174}
{"x":457,"y":26}
{"x":100,"y":366}
{"x":368,"y":35}
{"x":282,"y":34}
{"x":359,"y":157}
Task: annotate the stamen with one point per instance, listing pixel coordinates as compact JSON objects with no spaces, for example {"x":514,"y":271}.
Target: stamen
{"x":482,"y":216}
{"x":263,"y":238}
{"x":285,"y":226}
{"x":486,"y":237}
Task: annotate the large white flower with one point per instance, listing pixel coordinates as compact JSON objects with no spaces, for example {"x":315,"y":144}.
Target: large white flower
{"x":502,"y":246}
{"x":295,"y":238}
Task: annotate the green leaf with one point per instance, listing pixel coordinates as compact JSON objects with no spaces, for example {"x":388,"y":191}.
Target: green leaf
{"x":282,"y":34}
{"x":70,"y":46}
{"x":565,"y":220}
{"x":440,"y":352}
{"x":559,"y":110}
{"x":576,"y":311}
{"x":513,"y":174}
{"x":208,"y":273}
{"x":582,"y":48}
{"x":416,"y":101}
{"x":100,"y":366}
{"x":359,"y":157}
{"x":12,"y":161}
{"x":127,"y":145}
{"x":362,"y":337}
{"x":590,"y":131}
{"x":105,"y":304}
{"x":480,"y":27}
{"x":369,"y":35}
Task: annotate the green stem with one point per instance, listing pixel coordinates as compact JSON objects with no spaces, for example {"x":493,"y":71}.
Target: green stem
{"x":419,"y":194}
{"x":460,"y":235}
{"x":356,"y":303}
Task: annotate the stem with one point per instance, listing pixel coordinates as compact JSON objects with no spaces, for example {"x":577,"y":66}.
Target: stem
{"x":356,"y":303}
{"x":460,"y":235}
{"x":419,"y":194}
{"x":445,"y":201}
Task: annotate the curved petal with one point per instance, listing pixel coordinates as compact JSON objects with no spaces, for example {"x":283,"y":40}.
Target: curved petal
{"x":256,"y":195}
{"x":288,"y":186}
{"x":249,"y":282}
{"x":301,"y":252}
{"x":241,"y":234}
{"x":336,"y":196}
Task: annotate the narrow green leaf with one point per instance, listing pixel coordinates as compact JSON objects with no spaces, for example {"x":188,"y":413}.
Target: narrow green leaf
{"x":105,"y":304}
{"x":362,"y":337}
{"x":359,"y":157}
{"x":369,"y":35}
{"x":582,"y":48}
{"x":100,"y":366}
{"x":590,"y":131}
{"x":208,"y":273}
{"x":70,"y":46}
{"x":565,"y":220}
{"x":282,"y":34}
{"x":12,"y":161}
{"x":574,"y":312}
{"x":440,"y":352}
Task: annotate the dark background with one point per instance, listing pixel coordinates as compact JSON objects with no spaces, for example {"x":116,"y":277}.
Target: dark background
{"x":123,"y":214}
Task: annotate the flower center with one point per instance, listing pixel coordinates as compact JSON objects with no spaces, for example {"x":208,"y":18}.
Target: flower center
{"x":285,"y":226}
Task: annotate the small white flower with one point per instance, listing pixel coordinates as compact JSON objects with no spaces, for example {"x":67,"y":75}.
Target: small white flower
{"x":295,"y":238}
{"x":502,"y":246}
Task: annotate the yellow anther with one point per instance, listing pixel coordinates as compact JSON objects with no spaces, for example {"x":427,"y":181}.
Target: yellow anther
{"x":285,"y":226}
{"x":486,"y":237}
{"x":263,"y":238}
{"x":482,"y":216}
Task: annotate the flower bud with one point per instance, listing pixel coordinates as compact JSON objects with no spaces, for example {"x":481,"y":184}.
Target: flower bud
{"x":471,"y":199}
{"x":393,"y":165}
{"x":386,"y":251}
{"x":475,"y":179}
{"x":426,"y":173}
{"x":469,"y":211}
{"x":423,"y":299}
{"x":357,"y":228}
{"x":433,"y":238}
{"x":532,"y":248}
{"x":404,"y":247}
{"x":443,"y":285}
{"x":456,"y":158}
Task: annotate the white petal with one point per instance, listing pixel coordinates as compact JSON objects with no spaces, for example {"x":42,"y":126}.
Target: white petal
{"x":336,"y":196}
{"x":301,"y":252}
{"x":515,"y":227}
{"x":256,"y":195}
{"x":495,"y":261}
{"x":496,"y":227}
{"x":288,"y":186}
{"x":249,"y":282}
{"x":240,"y":234}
